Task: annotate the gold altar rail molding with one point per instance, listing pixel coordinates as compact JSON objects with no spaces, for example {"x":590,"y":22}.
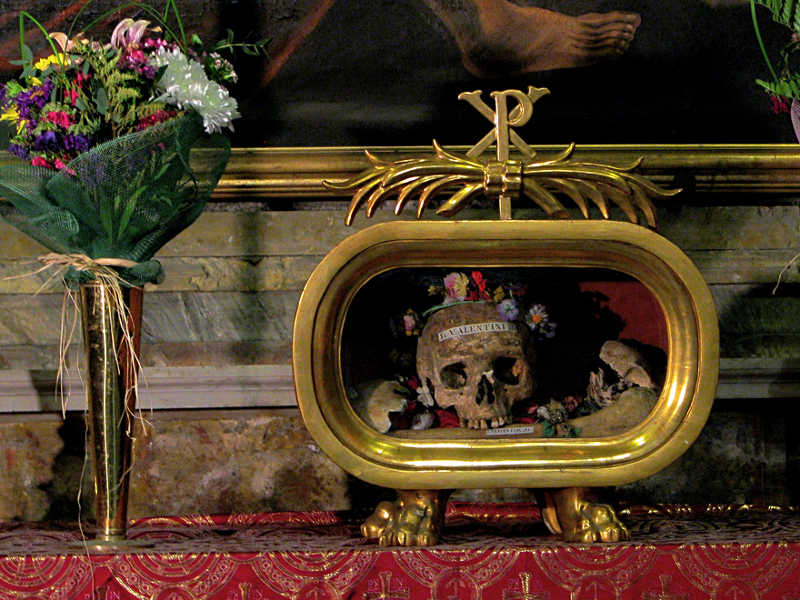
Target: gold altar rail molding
{"x":300,"y":172}
{"x":271,"y":386}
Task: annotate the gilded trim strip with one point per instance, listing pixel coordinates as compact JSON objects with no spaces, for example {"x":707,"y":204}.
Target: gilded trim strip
{"x":300,"y":172}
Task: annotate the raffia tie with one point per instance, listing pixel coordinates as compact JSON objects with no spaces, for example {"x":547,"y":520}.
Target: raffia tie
{"x":81,"y":262}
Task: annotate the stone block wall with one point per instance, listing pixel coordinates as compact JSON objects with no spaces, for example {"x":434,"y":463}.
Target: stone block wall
{"x":224,"y":433}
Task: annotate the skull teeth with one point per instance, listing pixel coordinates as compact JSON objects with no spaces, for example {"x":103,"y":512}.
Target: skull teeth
{"x":498,"y":421}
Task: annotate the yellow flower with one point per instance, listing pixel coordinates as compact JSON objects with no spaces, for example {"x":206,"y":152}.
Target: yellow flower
{"x":12,"y":115}
{"x":53,"y":59}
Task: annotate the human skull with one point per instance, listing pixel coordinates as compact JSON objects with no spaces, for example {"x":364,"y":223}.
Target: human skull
{"x":476,"y":362}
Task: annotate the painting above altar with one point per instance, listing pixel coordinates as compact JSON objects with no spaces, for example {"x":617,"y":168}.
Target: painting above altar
{"x":366,"y":72}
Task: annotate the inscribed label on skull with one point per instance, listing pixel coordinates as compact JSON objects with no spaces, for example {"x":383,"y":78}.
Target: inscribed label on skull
{"x":475,"y":328}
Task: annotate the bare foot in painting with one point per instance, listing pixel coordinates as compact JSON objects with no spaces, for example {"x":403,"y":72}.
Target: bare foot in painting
{"x":496,"y":37}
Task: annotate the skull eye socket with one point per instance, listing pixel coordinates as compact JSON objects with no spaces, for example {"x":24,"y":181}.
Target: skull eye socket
{"x":454,"y":376}
{"x":506,"y":370}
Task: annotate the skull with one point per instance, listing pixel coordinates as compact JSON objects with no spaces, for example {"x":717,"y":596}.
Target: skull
{"x":472,"y":360}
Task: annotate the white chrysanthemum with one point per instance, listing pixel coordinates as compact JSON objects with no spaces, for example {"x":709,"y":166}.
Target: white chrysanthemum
{"x":185,"y":84}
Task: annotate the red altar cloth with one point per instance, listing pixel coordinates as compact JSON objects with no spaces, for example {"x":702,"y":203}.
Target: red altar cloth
{"x":488,"y":552}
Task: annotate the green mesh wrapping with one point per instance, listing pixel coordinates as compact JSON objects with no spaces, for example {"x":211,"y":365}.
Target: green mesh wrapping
{"x":122,"y":199}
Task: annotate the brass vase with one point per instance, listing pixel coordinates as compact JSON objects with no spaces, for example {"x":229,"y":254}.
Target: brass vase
{"x":111,"y":399}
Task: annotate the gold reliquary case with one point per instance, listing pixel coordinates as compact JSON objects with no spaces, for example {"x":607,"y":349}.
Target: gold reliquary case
{"x":449,"y":458}
{"x":563,"y":354}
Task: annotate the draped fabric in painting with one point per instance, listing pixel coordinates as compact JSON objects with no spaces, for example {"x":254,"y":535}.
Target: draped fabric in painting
{"x":489,"y":552}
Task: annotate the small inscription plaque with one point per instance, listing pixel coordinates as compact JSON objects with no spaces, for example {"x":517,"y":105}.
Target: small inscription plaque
{"x":512,"y":430}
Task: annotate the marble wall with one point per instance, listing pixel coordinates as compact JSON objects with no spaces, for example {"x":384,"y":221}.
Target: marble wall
{"x":232,"y":283}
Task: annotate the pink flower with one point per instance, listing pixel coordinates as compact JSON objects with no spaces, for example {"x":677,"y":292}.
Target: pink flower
{"x":39,"y":161}
{"x":456,"y":285}
{"x":411,"y":323}
{"x":135,"y":56}
{"x":62,"y":166}
{"x":570,"y":403}
{"x":157,"y":117}
{"x":156,"y":43}
{"x":60,"y":118}
{"x":128,"y":32}
{"x":780,"y":104}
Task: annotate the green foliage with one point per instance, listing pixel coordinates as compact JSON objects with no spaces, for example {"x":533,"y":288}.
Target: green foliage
{"x":112,"y":100}
{"x":785,"y":12}
{"x":227,"y":44}
{"x":123,"y":199}
{"x":785,"y":82}
{"x":788,"y":88}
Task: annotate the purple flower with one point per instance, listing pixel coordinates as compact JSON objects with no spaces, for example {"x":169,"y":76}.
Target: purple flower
{"x":24,"y":98}
{"x":23,"y":105}
{"x":75,"y":142}
{"x":539,"y":321}
{"x":18,"y":150}
{"x":508,"y":309}
{"x":43,"y":93}
{"x":46,"y":142}
{"x":38,"y":96}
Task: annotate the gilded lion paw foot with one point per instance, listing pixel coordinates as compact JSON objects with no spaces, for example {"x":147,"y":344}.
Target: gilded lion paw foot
{"x":416,"y":518}
{"x":573,"y":513}
{"x":597,"y":523}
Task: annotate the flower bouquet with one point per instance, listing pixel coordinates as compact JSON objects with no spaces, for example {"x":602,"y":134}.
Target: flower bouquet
{"x":784,"y":85}
{"x":784,"y":88}
{"x":115,"y":149}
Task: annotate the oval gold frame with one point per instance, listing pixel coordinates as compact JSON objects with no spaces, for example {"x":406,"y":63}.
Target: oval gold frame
{"x":481,"y":461}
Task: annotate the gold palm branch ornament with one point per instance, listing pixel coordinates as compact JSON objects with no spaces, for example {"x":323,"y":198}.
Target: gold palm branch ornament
{"x":502,"y":179}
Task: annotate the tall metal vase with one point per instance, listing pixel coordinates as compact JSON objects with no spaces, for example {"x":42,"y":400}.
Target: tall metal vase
{"x":111,"y":400}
